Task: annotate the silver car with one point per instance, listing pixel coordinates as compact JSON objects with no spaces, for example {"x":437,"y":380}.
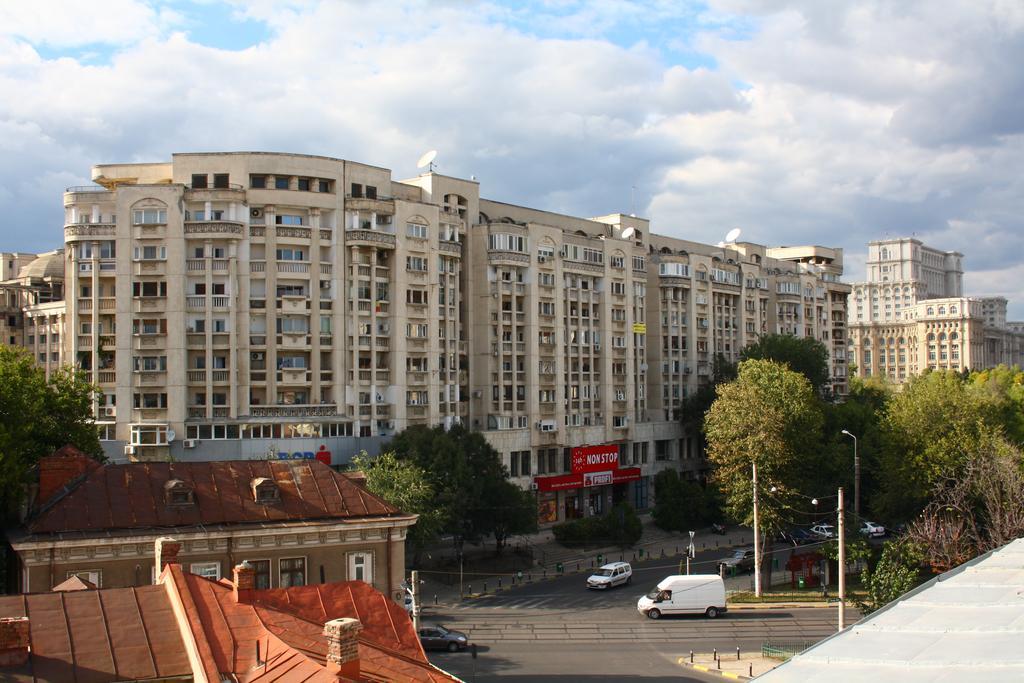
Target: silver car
{"x":438,"y":637}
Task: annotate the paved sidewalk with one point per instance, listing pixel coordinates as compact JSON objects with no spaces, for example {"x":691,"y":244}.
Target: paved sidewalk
{"x":548,"y":553}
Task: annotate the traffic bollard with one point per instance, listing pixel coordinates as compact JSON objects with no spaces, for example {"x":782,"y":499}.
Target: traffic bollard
{"x":435,"y":599}
{"x":750,"y":670}
{"x":691,"y":656}
{"x":470,"y":591}
{"x":663,"y":552}
{"x":485,"y":593}
{"x":714,"y":653}
{"x":718,"y":662}
{"x":545,"y":575}
{"x":499,"y":583}
{"x":737,"y":653}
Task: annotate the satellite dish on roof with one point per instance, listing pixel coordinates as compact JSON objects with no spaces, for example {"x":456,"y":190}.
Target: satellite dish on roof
{"x":733,"y":235}
{"x":427,"y":160}
{"x":628,"y":232}
{"x":170,"y":435}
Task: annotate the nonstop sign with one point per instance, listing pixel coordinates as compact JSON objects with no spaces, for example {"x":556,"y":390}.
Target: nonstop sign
{"x":595,"y":458}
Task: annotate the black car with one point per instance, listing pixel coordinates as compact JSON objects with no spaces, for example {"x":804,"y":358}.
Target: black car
{"x":438,"y":637}
{"x":800,"y":537}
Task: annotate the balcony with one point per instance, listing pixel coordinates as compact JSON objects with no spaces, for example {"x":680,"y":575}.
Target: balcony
{"x":292,"y":231}
{"x":107,"y":377}
{"x":380,"y":205}
{"x":369,"y":238}
{"x":293,"y":266}
{"x":196,"y":376}
{"x":88,"y":230}
{"x":195,"y":302}
{"x":293,"y":376}
{"x":232,"y":229}
{"x":294,"y":340}
{"x":150,"y":341}
{"x":293,"y":304}
{"x":320,"y":410}
{"x":145,"y":304}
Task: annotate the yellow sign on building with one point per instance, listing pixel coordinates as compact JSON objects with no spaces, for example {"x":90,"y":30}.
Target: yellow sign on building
{"x":639,"y":328}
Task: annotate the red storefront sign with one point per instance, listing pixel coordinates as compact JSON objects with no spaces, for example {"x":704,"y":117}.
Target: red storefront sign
{"x":595,"y":458}
{"x":580,"y":480}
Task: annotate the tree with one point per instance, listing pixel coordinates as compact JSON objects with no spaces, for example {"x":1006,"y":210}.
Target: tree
{"x":681,"y":504}
{"x":38,"y":416}
{"x":770,"y":416}
{"x":979,"y":509}
{"x":928,"y":430}
{"x":403,"y":484}
{"x":510,"y":510}
{"x":805,"y":355}
{"x":897,"y":571}
{"x":696,"y":406}
{"x":464,"y":470}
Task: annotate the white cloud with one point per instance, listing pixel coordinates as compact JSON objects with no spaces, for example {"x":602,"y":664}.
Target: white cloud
{"x":825,"y":124}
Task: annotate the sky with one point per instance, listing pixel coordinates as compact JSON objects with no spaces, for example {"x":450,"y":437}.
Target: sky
{"x":831,"y":123}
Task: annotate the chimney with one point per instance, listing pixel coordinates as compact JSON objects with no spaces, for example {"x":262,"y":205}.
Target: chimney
{"x":166,"y":550}
{"x":245,"y":583}
{"x":60,"y":469}
{"x":14,"y":641}
{"x":343,"y":647}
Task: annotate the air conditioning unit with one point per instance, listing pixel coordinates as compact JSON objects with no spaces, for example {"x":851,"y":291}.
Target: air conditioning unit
{"x":129,"y":450}
{"x":257,"y":355}
{"x":110,"y":411}
{"x":548,"y":427}
{"x":380,"y":397}
{"x":542,"y":259}
{"x":256,"y":212}
{"x":533,"y":486}
{"x":189,"y":443}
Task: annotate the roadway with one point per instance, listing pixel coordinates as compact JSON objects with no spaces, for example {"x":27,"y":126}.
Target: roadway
{"x":558,"y":630}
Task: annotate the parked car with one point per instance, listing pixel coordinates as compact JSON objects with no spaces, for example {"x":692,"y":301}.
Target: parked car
{"x":438,"y":637}
{"x":742,"y":559}
{"x":693,"y":594}
{"x":872,"y":530}
{"x":612,"y":574}
{"x":824,"y":530}
{"x":801,"y":537}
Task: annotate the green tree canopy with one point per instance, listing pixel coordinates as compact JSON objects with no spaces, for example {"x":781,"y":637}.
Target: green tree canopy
{"x":38,"y":416}
{"x":929,"y":428}
{"x":805,"y":355}
{"x":405,"y":485}
{"x":464,"y":471}
{"x":770,"y":415}
{"x":683,"y":505}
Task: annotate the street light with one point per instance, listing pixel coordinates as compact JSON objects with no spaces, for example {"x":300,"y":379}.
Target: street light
{"x":856,"y":476}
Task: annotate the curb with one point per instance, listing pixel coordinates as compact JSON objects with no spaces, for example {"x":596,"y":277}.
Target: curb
{"x":708,"y":670}
{"x":771,"y":605}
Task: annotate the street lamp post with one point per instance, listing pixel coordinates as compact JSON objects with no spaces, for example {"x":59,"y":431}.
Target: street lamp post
{"x":856,"y":476}
{"x":757,"y":537}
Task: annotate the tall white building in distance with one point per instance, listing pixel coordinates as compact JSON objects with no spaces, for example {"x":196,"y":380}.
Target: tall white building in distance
{"x":911,"y":315}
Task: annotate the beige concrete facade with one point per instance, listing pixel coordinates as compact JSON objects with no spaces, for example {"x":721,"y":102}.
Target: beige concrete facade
{"x":257,"y":305}
{"x":911,"y":316}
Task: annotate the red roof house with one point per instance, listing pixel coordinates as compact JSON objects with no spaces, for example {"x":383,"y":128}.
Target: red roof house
{"x":190,"y":627}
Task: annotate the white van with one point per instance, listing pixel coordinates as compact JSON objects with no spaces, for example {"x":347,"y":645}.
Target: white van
{"x":693,"y":594}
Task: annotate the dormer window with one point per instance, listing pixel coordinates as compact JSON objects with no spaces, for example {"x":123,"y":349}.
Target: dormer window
{"x":177,"y":492}
{"x":264,"y":490}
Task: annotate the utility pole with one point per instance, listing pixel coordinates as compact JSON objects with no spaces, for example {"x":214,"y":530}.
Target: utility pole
{"x":416,"y":600}
{"x":842,"y":564}
{"x":757,"y":538}
{"x":856,"y":476}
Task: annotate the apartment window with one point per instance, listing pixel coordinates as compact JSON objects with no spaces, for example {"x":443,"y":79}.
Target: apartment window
{"x":287,"y":219}
{"x":506,"y":242}
{"x":258,"y":182}
{"x":357,"y":190}
{"x":524,"y":463}
{"x":261,"y":570}
{"x":150,"y":400}
{"x":639,"y":262}
{"x":324,"y":185}
{"x":304,"y":184}
{"x":149,"y":435}
{"x":415,"y":296}
{"x":93,"y":576}
{"x":150,"y":363}
{"x":150,"y":253}
{"x":547,"y":279}
{"x":149,"y":289}
{"x":547,"y":308}
{"x":618,"y":288}
{"x":618,"y":262}
{"x":292,"y":572}
{"x":149,"y":216}
{"x":360,"y":567}
{"x":281,"y":182}
{"x":209,"y":570}
{"x":291,"y":255}
{"x":416,"y":263}
{"x":371,"y":192}
{"x":220,"y":181}
{"x":199,"y":181}
{"x":416,"y":230}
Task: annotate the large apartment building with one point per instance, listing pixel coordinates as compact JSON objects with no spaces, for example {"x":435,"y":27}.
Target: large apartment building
{"x":911,"y":315}
{"x":253,"y":305}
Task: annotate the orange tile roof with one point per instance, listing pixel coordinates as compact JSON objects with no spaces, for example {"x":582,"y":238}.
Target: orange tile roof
{"x":131,"y":496}
{"x":145,"y":633}
{"x":98,"y":635}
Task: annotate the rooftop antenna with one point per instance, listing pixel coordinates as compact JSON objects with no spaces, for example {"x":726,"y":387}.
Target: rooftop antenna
{"x":627,"y":232}
{"x":730,"y":238}
{"x":427,"y":160}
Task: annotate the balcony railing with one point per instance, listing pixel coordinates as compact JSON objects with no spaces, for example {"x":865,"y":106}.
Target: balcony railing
{"x":321,"y":410}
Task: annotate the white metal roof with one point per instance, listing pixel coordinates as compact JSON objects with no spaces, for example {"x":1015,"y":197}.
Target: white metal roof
{"x":965,"y":625}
